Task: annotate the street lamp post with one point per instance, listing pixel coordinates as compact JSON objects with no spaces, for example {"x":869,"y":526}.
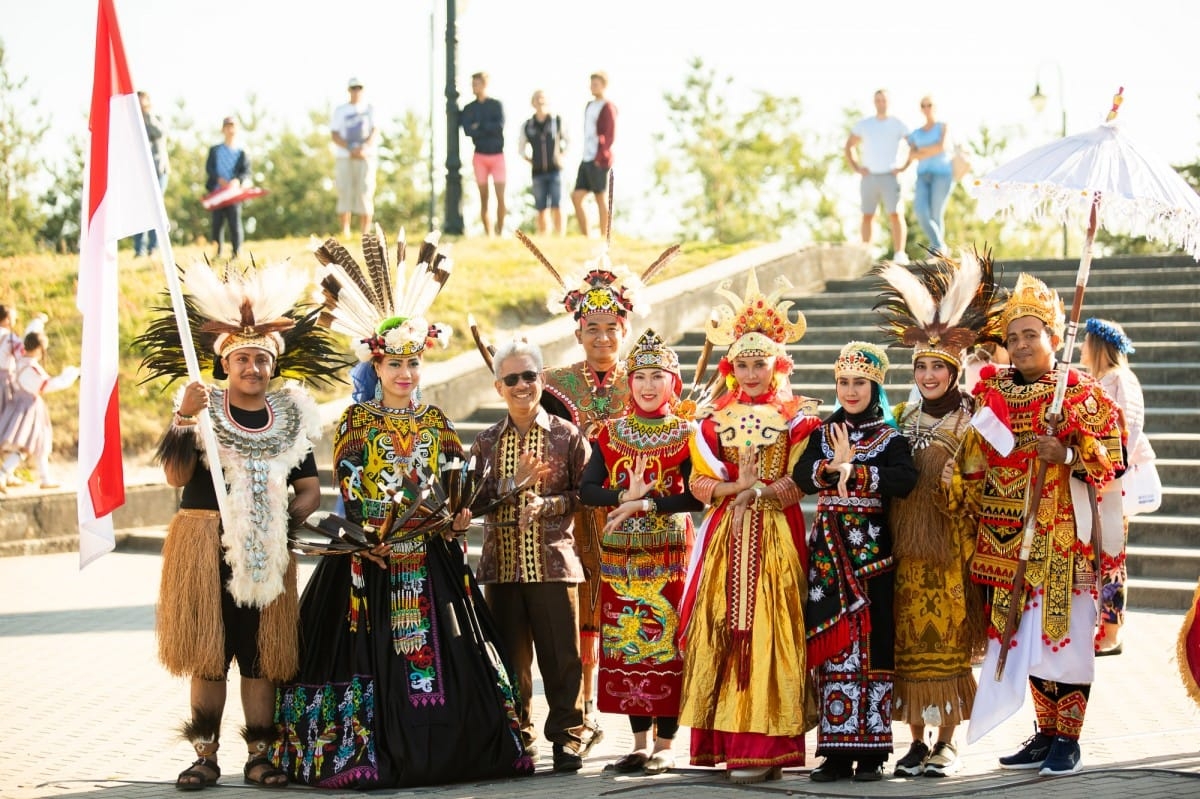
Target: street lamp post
{"x":1039,"y":104}
{"x":453,"y":221}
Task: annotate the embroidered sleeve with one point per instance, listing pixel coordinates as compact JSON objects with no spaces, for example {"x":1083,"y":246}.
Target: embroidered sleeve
{"x":702,"y":487}
{"x":787,"y":493}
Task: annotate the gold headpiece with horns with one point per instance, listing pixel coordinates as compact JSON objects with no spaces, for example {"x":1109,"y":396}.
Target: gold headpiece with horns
{"x":755,"y":324}
{"x":1032,"y":297}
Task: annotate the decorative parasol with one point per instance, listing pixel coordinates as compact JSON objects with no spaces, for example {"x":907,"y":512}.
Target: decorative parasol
{"x":1105,"y":177}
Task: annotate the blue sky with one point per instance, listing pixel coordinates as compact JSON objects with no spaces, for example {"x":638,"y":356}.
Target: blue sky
{"x":979,"y":61}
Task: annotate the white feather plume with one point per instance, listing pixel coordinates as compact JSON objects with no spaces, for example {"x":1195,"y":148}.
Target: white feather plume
{"x":271,"y":291}
{"x":962,"y":289}
{"x":918,"y":299}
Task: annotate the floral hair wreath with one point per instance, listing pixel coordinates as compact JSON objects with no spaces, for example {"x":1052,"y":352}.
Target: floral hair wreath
{"x":1110,"y":333}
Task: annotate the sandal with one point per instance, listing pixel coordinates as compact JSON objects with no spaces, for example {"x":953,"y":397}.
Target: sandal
{"x":660,"y":762}
{"x":202,"y":774}
{"x":630,"y":763}
{"x":269,"y":772}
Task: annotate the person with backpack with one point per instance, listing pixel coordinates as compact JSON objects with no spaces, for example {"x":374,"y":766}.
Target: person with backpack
{"x":542,"y":144}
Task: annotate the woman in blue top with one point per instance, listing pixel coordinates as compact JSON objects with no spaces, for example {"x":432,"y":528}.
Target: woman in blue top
{"x":934,"y":176}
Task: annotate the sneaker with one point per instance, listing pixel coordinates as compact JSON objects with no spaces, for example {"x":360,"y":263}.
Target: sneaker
{"x":1063,"y":758}
{"x":943,"y":761}
{"x":1032,"y":753}
{"x":901,"y":258}
{"x":869,"y":771}
{"x":566,"y":759}
{"x":832,"y":769}
{"x":913,"y":763}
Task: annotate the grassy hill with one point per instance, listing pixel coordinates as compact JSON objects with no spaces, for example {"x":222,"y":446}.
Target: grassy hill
{"x":497,"y":280}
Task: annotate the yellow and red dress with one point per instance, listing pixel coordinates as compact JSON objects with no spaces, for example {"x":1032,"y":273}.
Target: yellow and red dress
{"x":744,"y":665}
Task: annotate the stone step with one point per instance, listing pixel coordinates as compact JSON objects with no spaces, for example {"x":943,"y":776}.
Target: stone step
{"x":1182,"y":499}
{"x":1118,"y":308}
{"x":1175,"y":445}
{"x":1102,"y":275}
{"x":1161,"y":530}
{"x":1179,"y":471}
{"x":1163,"y":563}
{"x":1155,"y":594}
{"x":864,"y":295}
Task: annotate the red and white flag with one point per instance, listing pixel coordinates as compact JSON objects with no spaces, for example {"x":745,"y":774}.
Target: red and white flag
{"x":121,"y":196}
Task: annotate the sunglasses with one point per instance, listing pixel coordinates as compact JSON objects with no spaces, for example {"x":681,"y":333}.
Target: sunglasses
{"x":527,"y":377}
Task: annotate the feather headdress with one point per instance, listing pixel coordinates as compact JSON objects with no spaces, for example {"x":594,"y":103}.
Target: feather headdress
{"x":602,"y":287}
{"x":256,"y":307}
{"x":382,"y":312}
{"x":942,"y":308}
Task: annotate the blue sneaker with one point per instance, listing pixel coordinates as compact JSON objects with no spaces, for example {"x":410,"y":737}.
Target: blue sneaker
{"x":1031,"y":755}
{"x":1063,"y":758}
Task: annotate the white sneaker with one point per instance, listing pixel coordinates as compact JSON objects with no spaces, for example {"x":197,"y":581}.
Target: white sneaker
{"x":901,"y":258}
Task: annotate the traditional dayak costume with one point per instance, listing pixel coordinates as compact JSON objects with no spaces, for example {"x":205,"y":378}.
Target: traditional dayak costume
{"x":744,"y":668}
{"x":643,"y":561}
{"x":1052,"y":646}
{"x":851,"y":576}
{"x":229,"y":582}
{"x":401,"y":680}
{"x":587,"y":398}
{"x":939,"y":312}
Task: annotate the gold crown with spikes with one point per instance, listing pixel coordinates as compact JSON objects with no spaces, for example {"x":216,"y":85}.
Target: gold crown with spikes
{"x":1032,"y":297}
{"x":755,"y":324}
{"x":651,"y":352}
{"x":862,"y":359}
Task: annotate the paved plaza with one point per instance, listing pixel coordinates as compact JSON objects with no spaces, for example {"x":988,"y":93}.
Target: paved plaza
{"x":88,"y":712}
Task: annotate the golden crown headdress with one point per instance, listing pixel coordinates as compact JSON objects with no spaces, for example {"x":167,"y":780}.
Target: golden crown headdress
{"x":862,"y":359}
{"x":943,"y":308}
{"x":1032,"y":297}
{"x":382,"y":312}
{"x":651,"y":352}
{"x":755,"y":324}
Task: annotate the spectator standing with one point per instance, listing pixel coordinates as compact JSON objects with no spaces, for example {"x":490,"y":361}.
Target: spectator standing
{"x":599,"y":131}
{"x":227,"y":165}
{"x":25,"y":429}
{"x":542,"y":144}
{"x":483,"y":121}
{"x":935,"y":176}
{"x":144,"y":243}
{"x":11,"y":349}
{"x":872,"y":150}
{"x":1105,"y":354}
{"x":354,"y":135}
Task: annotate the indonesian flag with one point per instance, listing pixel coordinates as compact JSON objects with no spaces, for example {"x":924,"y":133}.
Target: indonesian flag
{"x":121,"y":197}
{"x":991,"y":420}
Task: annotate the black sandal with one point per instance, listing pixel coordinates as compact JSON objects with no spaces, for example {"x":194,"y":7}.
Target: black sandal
{"x":205,"y":771}
{"x":268,"y":773}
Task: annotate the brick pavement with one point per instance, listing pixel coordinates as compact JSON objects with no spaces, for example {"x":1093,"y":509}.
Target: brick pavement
{"x":88,"y":712}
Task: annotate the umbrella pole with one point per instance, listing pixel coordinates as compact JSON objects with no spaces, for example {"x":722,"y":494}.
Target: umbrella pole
{"x":1081,"y":279}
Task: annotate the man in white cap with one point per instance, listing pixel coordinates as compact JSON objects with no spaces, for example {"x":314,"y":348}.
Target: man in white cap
{"x":354,"y":135}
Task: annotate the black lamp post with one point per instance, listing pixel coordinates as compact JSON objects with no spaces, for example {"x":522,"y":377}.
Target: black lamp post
{"x":453,"y":221}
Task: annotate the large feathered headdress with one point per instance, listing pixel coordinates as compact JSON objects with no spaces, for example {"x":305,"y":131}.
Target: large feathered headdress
{"x":382,"y":312}
{"x":256,"y":307}
{"x":603,"y":287}
{"x":942,"y":308}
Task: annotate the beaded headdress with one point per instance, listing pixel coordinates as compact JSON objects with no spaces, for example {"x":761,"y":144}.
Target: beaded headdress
{"x":383,"y":312}
{"x":861,"y":359}
{"x":1111,"y":333}
{"x":650,"y":352}
{"x":1032,"y":297}
{"x":943,"y":308}
{"x":602,"y":287}
{"x":255,"y":307}
{"x":755,"y":324}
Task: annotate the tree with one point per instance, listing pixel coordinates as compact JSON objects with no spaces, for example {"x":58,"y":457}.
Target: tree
{"x":63,"y":202}
{"x":21,"y":131}
{"x":403,"y":191}
{"x":740,"y":176}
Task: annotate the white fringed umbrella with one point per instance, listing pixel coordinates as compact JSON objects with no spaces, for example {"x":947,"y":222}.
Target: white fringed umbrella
{"x":1100,"y":175}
